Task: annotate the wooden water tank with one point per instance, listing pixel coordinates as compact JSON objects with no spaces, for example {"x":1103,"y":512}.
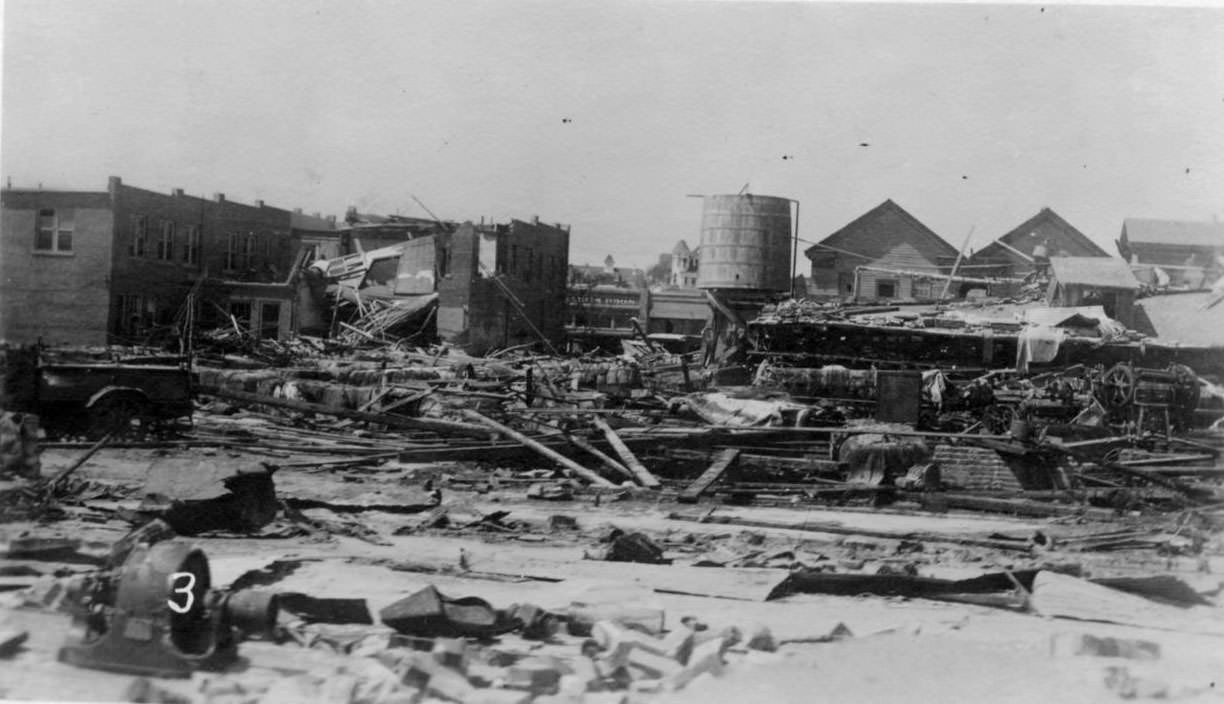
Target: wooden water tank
{"x":745,"y":243}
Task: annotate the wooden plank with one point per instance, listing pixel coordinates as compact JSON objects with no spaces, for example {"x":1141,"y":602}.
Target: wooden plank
{"x":539,"y":448}
{"x":721,"y":463}
{"x":643,"y":475}
{"x":394,"y":421}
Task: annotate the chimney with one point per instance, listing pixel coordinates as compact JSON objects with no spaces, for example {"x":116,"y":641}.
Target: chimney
{"x":331,"y":219}
{"x":259,"y":203}
{"x":535,"y":219}
{"x":219,"y":197}
{"x":313,"y":215}
{"x":176,"y":192}
{"x":297,"y":211}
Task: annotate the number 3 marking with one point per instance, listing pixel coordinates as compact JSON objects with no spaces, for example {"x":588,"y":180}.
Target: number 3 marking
{"x":184,"y":590}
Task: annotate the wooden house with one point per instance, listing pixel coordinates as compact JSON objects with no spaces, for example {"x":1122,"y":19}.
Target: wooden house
{"x":1187,"y":253}
{"x":1017,"y":253}
{"x":880,"y":256}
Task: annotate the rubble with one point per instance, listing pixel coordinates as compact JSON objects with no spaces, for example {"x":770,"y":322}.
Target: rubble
{"x":430,"y":518}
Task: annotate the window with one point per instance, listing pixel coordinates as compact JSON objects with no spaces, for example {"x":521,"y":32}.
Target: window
{"x":247,"y":260}
{"x":54,"y":231}
{"x":886,"y":289}
{"x":231,"y":251}
{"x":165,"y":243}
{"x":191,"y":250}
{"x":136,"y":314}
{"x":140,"y":227}
{"x":269,"y":321}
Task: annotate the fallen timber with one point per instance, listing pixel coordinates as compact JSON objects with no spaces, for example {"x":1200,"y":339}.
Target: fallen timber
{"x":444,"y":427}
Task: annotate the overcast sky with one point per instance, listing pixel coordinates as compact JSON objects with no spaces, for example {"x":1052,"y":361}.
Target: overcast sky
{"x":605,"y":115}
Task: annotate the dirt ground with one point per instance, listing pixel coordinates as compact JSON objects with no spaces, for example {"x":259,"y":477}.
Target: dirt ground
{"x":897,"y":650}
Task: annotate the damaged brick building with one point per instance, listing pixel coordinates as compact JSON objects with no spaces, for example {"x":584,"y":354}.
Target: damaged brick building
{"x":118,"y":266}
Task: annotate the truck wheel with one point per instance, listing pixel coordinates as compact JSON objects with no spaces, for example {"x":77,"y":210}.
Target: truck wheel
{"x":122,"y":416}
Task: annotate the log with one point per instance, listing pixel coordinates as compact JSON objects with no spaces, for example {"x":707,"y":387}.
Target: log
{"x":442,"y":427}
{"x":538,"y":447}
{"x":643,"y":475}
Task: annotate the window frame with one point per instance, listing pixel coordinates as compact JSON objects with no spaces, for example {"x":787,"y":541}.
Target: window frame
{"x":191,"y":248}
{"x":137,"y":245}
{"x":165,"y":241}
{"x":59,"y":227}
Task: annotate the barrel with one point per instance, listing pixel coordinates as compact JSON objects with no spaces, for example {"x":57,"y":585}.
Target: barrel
{"x":745,"y":243}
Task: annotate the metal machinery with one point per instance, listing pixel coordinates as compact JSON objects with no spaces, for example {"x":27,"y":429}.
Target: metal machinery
{"x":1149,"y":400}
{"x":157,"y":615}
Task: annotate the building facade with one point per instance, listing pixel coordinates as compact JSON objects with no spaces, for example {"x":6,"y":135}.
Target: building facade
{"x":1187,"y":254}
{"x":502,"y":285}
{"x":135,"y":259}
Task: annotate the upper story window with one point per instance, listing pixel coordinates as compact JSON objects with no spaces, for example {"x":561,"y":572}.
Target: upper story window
{"x":140,"y":233}
{"x":191,"y":249}
{"x":54,"y":231}
{"x":248,"y":251}
{"x":231,"y":251}
{"x":165,"y":242}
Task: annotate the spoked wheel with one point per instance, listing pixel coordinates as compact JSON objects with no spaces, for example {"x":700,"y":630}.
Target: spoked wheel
{"x":998,"y":418}
{"x":1117,"y":387}
{"x":119,"y":416}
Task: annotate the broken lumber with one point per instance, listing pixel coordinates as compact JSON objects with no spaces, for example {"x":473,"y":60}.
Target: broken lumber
{"x":58,"y":481}
{"x":442,"y":427}
{"x":582,"y":444}
{"x":837,"y":529}
{"x":538,"y":447}
{"x":643,"y":475}
{"x":721,"y":463}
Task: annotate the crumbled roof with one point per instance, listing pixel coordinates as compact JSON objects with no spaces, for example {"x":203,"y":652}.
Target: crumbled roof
{"x":1191,"y":234}
{"x":1103,"y":272}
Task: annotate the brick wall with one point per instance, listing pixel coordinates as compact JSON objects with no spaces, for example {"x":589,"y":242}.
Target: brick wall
{"x":58,"y":296}
{"x":531,"y":260}
{"x":157,"y":274}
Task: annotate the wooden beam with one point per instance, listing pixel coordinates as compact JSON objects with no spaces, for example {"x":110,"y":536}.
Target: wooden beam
{"x":721,"y":463}
{"x":538,"y":447}
{"x":442,"y":427}
{"x":643,"y":475}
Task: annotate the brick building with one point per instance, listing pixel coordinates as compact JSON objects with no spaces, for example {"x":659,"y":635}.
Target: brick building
{"x":495,"y":283}
{"x":117,"y":266}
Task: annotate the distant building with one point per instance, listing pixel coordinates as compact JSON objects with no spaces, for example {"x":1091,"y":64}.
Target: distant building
{"x":1028,"y":247}
{"x":1188,"y":254}
{"x":117,"y":266}
{"x":1094,"y":281}
{"x":684,"y":265}
{"x":607,"y":275}
{"x":885,"y":254}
